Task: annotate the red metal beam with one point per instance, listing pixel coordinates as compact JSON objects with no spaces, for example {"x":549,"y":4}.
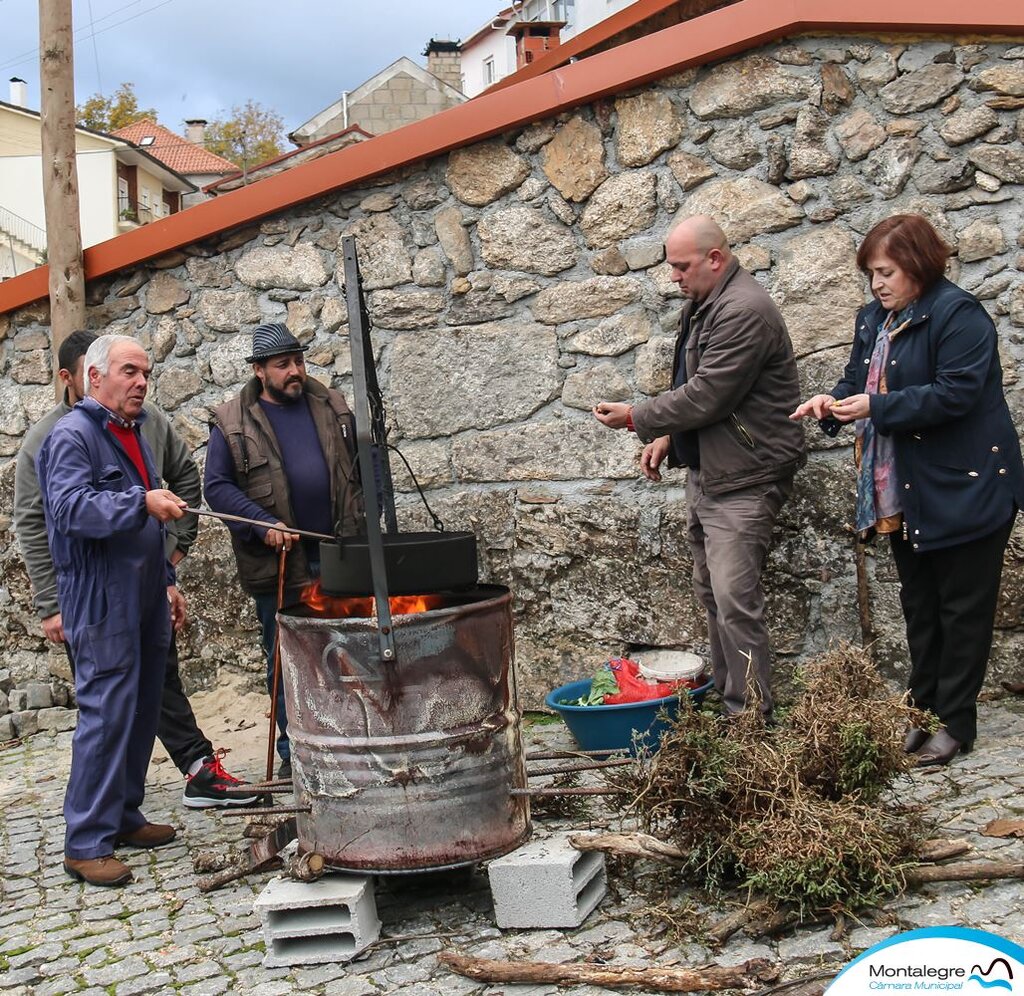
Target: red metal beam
{"x":704,"y":39}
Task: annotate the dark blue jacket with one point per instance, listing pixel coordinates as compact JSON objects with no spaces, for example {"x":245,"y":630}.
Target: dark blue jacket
{"x":107,"y":550}
{"x":958,"y":459}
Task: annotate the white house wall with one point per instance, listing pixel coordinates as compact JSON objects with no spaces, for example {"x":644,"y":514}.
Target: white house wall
{"x":21,"y":190}
{"x":496,"y":45}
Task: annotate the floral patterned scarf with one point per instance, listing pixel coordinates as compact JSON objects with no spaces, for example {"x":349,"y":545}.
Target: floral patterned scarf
{"x":878,"y":498}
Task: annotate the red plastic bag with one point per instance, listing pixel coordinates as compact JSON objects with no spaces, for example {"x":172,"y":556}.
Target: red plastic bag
{"x":633,"y":687}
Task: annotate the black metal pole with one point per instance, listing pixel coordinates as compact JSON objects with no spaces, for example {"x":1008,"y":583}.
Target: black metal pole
{"x":362,"y":372}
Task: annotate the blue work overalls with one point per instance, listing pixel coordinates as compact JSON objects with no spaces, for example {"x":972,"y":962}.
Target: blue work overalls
{"x":112,"y":577}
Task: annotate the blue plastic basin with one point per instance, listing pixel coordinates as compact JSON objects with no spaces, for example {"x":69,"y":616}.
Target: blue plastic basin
{"x":611,"y":727}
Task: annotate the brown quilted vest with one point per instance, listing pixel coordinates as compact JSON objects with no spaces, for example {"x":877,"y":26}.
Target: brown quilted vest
{"x":259,"y":472}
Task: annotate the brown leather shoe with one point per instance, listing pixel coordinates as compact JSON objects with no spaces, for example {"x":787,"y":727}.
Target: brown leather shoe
{"x":941,"y":748}
{"x":106,"y":871}
{"x":915,"y":739}
{"x":148,"y":835}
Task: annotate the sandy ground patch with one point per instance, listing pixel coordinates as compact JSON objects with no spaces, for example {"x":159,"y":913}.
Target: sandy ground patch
{"x":233,"y":717}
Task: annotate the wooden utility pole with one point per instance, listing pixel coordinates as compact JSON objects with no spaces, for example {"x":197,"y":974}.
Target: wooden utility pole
{"x":60,"y":174}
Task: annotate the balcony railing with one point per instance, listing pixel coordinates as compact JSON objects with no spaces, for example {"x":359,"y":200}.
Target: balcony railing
{"x":22,"y":230}
{"x":132,"y":212}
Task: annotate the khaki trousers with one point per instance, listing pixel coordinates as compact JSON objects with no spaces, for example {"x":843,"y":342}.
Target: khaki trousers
{"x":729,"y":536}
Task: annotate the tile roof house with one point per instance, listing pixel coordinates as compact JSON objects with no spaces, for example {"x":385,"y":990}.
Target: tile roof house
{"x":120,"y":186}
{"x":188,"y":158}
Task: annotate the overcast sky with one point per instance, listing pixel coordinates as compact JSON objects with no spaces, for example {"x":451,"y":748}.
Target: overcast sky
{"x":198,"y":59}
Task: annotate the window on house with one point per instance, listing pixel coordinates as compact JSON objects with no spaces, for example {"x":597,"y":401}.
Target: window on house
{"x":489,"y":76}
{"x":562,"y":10}
{"x":147,"y":140}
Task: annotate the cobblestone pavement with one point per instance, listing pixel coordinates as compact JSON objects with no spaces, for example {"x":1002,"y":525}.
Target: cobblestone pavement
{"x":161,"y":935}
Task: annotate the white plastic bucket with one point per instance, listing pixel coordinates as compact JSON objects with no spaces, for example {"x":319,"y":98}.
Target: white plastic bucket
{"x":671,"y":665}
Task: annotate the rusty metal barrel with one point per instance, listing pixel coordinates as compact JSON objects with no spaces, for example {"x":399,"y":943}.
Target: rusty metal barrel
{"x":407,"y":765}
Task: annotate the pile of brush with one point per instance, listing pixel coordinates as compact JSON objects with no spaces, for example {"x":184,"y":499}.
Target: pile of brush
{"x":803,"y":812}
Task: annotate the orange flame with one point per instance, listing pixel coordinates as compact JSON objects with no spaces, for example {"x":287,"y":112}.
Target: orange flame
{"x":329,"y":607}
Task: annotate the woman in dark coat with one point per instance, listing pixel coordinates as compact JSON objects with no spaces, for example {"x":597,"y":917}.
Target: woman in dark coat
{"x":939,"y":465}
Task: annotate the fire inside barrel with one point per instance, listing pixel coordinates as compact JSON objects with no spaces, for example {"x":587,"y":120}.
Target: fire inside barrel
{"x":325,"y":606}
{"x":406,"y":764}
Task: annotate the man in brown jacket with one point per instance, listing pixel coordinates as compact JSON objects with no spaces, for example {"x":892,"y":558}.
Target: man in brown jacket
{"x":726,"y":418}
{"x":282,"y":452}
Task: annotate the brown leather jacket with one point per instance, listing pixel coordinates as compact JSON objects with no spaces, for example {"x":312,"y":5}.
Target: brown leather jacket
{"x":741,"y":386}
{"x":260,"y":474}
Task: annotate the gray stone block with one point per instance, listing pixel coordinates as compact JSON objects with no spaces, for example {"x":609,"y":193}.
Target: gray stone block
{"x":57,"y":719}
{"x":546,"y":884}
{"x":25,"y":722}
{"x":4,"y":704}
{"x":38,"y":696}
{"x":310,"y":923}
{"x":5,"y":680}
{"x":17,"y":699}
{"x":6,"y":729}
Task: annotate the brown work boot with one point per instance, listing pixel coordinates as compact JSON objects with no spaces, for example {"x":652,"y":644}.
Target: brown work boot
{"x":106,"y":871}
{"x":148,"y":835}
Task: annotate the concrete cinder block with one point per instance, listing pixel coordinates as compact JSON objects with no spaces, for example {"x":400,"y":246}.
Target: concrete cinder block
{"x":309,"y":923}
{"x":546,"y":883}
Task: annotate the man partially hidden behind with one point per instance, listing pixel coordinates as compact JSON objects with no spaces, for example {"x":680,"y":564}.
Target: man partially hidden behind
{"x":727,"y":419}
{"x":282,"y":452}
{"x":206,"y":781}
{"x":104,"y":513}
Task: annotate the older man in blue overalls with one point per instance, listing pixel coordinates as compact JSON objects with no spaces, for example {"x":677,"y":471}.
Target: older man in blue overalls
{"x":104,"y":517}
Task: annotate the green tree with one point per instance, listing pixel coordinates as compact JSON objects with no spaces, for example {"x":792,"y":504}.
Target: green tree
{"x":118,"y":110}
{"x":251,"y":135}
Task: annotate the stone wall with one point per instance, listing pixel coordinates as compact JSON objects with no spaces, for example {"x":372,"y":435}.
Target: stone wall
{"x":514,"y":283}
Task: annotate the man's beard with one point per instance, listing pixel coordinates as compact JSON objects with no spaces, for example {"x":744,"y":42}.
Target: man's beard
{"x":281,"y":396}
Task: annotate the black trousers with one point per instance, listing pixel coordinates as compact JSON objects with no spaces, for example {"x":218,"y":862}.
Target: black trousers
{"x":949,"y":604}
{"x":177,"y":730}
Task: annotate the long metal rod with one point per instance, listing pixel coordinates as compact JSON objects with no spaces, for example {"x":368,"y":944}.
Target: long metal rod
{"x":267,"y":811}
{"x":227,"y":517}
{"x":593,"y":765}
{"x":559,"y":791}
{"x":567,"y":755}
{"x":361,"y":364}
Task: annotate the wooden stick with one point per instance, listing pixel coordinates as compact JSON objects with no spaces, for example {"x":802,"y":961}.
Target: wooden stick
{"x":632,"y":845}
{"x":234,"y":872}
{"x":282,"y":560}
{"x":867,"y":628}
{"x":966,"y":871}
{"x":941,"y":850}
{"x":727,"y":926}
{"x":306,"y":867}
{"x":670,"y":980}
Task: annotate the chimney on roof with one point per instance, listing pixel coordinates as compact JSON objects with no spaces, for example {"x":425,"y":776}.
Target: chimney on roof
{"x":195,"y":130}
{"x":444,"y":60}
{"x":19,"y":92}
